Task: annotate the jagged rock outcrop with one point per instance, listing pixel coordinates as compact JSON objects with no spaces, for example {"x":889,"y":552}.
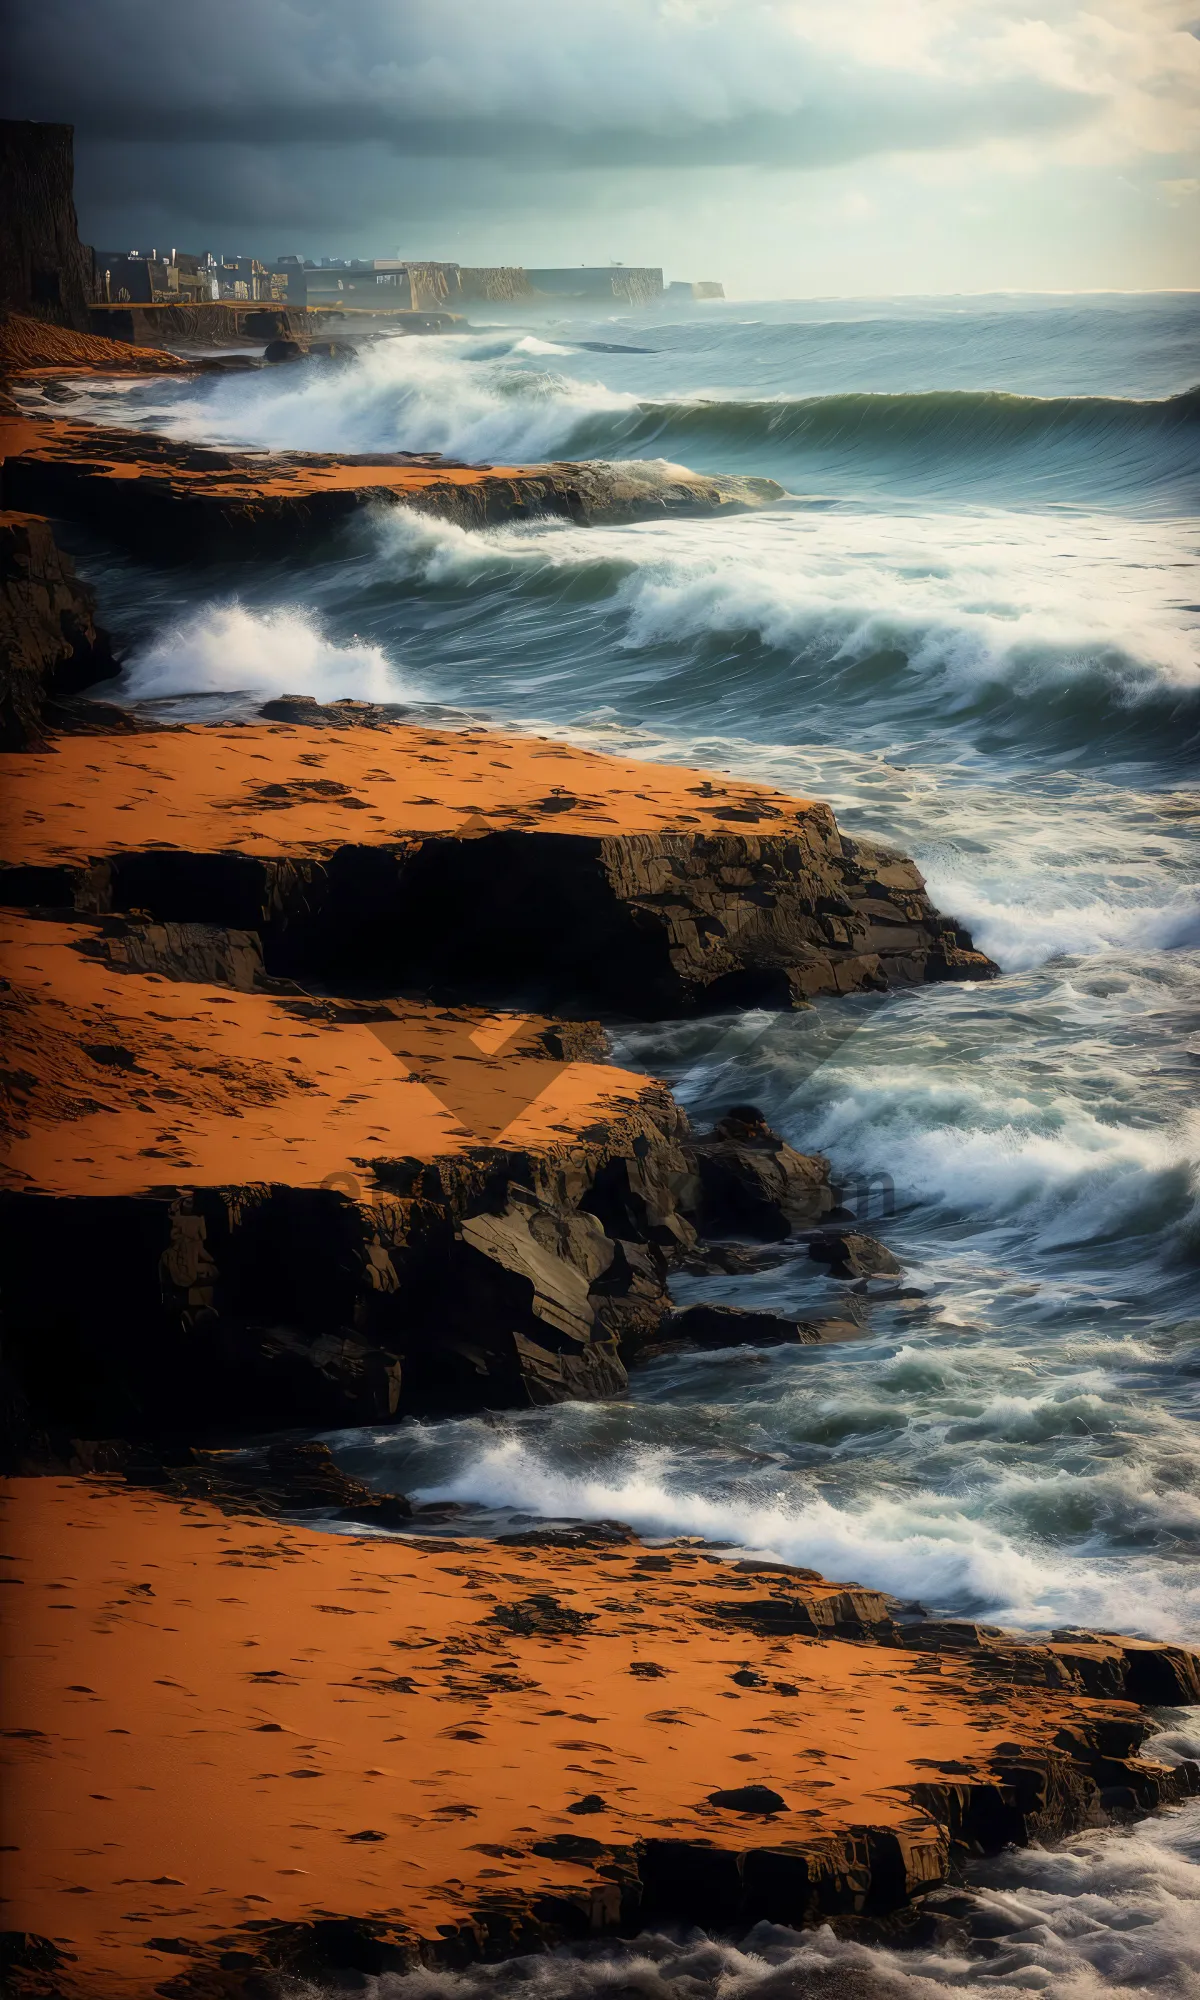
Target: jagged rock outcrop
{"x":753,"y":1183}
{"x":850,"y":1254}
{"x":44,"y":269}
{"x":49,"y":643}
{"x":240,"y":1206}
{"x":736,"y":1326}
{"x":173,"y":1261}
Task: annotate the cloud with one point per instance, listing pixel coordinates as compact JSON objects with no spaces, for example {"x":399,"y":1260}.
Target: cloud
{"x":238,"y":116}
{"x":597,"y":84}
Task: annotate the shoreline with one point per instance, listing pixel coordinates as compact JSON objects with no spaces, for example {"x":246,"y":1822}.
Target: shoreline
{"x":313,"y":1124}
{"x":253,"y":1750}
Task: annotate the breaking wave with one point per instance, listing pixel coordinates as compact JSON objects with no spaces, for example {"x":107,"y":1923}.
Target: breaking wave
{"x":1065,"y":1170}
{"x":915,"y":1545}
{"x":227,"y":649}
{"x":479,"y":398}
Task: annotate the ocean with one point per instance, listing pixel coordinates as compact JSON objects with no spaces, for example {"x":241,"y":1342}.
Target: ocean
{"x":971,"y":626}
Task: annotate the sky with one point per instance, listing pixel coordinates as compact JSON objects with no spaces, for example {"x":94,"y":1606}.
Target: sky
{"x":790,"y":148}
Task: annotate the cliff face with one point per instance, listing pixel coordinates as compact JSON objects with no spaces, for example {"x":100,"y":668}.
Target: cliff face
{"x":522,"y":868}
{"x":49,"y":644}
{"x":44,"y":268}
{"x":331,"y":1211}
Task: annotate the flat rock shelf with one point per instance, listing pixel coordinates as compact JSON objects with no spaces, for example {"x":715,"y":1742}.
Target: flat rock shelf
{"x":236,"y":1748}
{"x":189,"y":502}
{"x":479,"y":862}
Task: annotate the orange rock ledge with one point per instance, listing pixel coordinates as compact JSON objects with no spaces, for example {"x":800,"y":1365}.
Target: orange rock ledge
{"x":494,"y":864}
{"x":235,"y":1746}
{"x":189,"y":502}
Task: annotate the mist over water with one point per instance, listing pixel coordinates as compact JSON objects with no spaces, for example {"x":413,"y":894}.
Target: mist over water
{"x":972,"y":626}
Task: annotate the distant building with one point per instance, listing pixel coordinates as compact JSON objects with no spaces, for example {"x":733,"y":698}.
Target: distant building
{"x":376,"y":281}
{"x":701,"y":288}
{"x":143,"y":277}
{"x":245,"y":278}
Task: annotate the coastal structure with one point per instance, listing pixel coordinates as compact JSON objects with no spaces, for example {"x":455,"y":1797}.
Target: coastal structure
{"x":682,"y":291}
{"x":627,"y":284}
{"x":145,"y":278}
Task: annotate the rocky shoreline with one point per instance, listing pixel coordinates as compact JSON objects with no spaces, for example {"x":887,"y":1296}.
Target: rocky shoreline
{"x":165,"y":499}
{"x":310,"y":1123}
{"x":356,"y":1755}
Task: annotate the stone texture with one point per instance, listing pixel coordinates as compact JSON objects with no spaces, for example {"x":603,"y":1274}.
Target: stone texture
{"x":49,"y":644}
{"x":753,"y":1183}
{"x":849,"y":1254}
{"x":45,"y":270}
{"x":506,"y":1748}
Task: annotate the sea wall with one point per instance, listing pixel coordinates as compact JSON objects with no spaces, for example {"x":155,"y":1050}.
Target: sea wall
{"x":497,"y":284}
{"x":198,"y":325}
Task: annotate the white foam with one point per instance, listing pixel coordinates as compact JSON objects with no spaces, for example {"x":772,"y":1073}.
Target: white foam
{"x":922,"y":1544}
{"x":987,"y":1147}
{"x":229,"y":649}
{"x":459,"y":394}
{"x":1023,"y":931}
{"x":1103,"y":1911}
{"x":1034,"y":603}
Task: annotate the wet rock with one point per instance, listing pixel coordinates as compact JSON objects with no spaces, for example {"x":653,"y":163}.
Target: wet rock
{"x":731,"y":1259}
{"x":735,"y":1326}
{"x":753,"y":1183}
{"x":851,"y":1255}
{"x":344,"y":714}
{"x":285,"y":348}
{"x":584,"y":1535}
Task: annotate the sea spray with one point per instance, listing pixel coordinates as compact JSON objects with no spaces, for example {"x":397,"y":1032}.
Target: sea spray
{"x":229,"y":649}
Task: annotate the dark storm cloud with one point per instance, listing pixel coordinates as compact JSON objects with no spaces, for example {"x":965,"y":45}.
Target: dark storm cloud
{"x":278,"y":112}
